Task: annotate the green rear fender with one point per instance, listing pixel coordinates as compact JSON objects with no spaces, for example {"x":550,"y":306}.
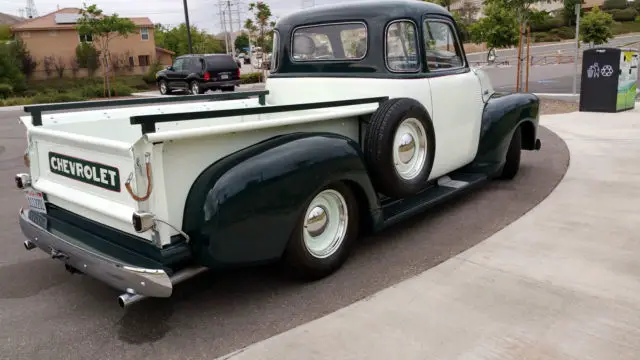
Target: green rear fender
{"x":502,"y":115}
{"x":243,"y":208}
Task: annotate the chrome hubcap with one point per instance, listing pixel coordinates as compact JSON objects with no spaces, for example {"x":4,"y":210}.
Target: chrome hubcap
{"x":325,"y":224}
{"x":163,"y":87}
{"x":410,"y":148}
{"x":194,"y":88}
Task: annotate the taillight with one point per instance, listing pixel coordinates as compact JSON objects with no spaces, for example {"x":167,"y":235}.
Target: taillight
{"x":238,"y":72}
{"x":207,"y":76}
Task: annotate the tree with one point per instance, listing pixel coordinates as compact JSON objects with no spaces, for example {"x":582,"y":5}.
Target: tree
{"x":498,"y":28}
{"x":242,"y":41}
{"x":103,"y":29}
{"x":175,"y":39}
{"x":88,"y":58}
{"x":5,"y":32}
{"x":260,"y":28}
{"x":595,"y":27}
{"x":23,"y":57}
{"x":569,"y":11}
{"x":10,"y":69}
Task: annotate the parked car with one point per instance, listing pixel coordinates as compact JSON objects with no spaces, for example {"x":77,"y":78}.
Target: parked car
{"x":341,"y":143}
{"x":198,"y":73}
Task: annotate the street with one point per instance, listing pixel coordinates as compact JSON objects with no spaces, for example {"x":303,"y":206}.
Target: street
{"x":46,"y":312}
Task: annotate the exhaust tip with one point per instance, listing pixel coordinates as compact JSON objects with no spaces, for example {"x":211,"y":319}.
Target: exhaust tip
{"x":29,"y":245}
{"x":128,"y":299}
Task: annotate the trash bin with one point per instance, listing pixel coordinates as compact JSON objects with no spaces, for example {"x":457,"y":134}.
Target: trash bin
{"x":609,"y":79}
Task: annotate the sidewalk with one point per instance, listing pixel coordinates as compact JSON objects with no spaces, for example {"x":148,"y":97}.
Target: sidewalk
{"x":562,"y":282}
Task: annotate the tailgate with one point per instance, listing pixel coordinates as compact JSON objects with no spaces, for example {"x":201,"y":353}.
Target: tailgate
{"x":87,"y":175}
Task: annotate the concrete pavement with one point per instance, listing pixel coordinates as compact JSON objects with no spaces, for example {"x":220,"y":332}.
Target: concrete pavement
{"x":561,"y":282}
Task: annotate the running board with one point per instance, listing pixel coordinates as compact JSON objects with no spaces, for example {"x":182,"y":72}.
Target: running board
{"x":445,"y":188}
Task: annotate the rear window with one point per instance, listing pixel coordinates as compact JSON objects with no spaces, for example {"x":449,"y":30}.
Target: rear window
{"x":220,"y":61}
{"x":347,"y":41}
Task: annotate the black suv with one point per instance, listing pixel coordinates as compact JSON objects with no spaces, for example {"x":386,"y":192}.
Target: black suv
{"x":197,"y":73}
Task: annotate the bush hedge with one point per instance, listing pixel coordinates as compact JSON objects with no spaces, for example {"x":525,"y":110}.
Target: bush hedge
{"x":628,"y":14}
{"x":6,"y":90}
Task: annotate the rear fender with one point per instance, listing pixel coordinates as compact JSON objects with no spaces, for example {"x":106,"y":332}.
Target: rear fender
{"x":502,"y":115}
{"x":243,"y":208}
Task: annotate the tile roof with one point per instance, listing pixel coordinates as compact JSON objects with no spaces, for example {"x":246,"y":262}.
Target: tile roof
{"x":47,"y":22}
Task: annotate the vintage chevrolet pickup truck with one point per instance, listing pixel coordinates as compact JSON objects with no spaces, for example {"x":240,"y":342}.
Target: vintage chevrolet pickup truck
{"x":371,"y":114}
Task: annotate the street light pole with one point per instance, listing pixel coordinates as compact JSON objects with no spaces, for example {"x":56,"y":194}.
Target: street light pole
{"x":575,"y":70}
{"x":186,"y":19}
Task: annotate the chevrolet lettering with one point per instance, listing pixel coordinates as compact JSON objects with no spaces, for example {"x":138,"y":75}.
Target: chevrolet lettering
{"x":382,"y":120}
{"x":86,"y":171}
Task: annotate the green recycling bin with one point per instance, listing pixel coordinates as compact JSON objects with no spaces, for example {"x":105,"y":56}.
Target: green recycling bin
{"x":609,"y":79}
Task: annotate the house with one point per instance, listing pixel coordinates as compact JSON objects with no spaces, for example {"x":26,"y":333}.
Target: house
{"x":53,"y":39}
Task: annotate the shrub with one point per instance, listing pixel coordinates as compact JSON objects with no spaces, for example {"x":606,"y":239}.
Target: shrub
{"x":564,"y":33}
{"x":251,"y":78}
{"x":10,"y":70}
{"x":614,"y":4}
{"x":547,"y":24}
{"x":628,"y":14}
{"x":150,"y":76}
{"x":6,"y":90}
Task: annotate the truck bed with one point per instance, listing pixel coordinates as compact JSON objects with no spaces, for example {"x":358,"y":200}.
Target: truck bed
{"x":82,"y":160}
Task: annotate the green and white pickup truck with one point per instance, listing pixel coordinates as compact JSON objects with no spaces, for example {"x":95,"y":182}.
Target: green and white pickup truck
{"x":371,"y":114}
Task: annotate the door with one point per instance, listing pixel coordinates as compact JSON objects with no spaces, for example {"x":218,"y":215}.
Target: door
{"x":176,"y":75}
{"x":456,"y":96}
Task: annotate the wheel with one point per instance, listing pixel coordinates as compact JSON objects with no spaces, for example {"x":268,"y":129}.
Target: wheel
{"x":164,"y":87}
{"x":512,"y":162}
{"x":325,"y":229}
{"x":194,"y":87}
{"x":399,"y":147}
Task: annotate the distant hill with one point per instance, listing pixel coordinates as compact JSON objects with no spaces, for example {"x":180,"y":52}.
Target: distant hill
{"x":6,"y":19}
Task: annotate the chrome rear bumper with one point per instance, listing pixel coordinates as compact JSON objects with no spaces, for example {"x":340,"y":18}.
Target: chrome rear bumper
{"x":119,"y":275}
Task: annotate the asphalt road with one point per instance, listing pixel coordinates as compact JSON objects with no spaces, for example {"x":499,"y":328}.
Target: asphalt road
{"x":567,"y":48}
{"x":47,"y":313}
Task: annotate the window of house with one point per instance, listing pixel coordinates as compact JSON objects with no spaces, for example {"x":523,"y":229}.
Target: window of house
{"x":26,"y":34}
{"x":442,"y":49}
{"x":86,"y":37}
{"x":401,"y":47}
{"x":145,"y":33}
{"x":131,"y":61}
{"x":313,"y":43}
{"x":143,"y":60}
{"x":53,"y":32}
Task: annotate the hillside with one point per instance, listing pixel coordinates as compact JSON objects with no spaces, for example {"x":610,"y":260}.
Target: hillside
{"x":6,"y":19}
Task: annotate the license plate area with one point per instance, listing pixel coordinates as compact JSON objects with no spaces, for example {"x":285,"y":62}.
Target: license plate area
{"x":224,"y":77}
{"x":35,"y":200}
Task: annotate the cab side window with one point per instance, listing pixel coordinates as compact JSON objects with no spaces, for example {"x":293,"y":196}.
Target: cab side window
{"x":442,"y":49}
{"x":401,"y":47}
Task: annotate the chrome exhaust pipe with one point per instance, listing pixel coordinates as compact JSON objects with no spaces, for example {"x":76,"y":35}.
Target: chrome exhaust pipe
{"x":29,"y":245}
{"x":129,"y":298}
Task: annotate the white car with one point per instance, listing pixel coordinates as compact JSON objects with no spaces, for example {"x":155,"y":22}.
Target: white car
{"x":340,"y":143}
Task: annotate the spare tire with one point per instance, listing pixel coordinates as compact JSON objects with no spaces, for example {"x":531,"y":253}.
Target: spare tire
{"x":399,"y":147}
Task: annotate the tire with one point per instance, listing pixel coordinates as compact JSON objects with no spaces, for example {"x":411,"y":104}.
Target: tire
{"x":512,"y":161}
{"x":194,"y":88}
{"x":308,"y":262}
{"x":399,"y":123}
{"x":163,"y":87}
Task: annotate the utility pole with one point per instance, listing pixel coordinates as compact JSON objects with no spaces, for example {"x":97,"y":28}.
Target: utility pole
{"x":233,"y":47}
{"x":224,"y":30}
{"x":186,"y":19}
{"x":575,"y":70}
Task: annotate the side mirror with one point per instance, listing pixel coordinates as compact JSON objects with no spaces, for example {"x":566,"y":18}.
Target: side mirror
{"x":170,"y":67}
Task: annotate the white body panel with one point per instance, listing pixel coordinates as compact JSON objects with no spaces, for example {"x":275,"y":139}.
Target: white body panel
{"x":454,"y":102}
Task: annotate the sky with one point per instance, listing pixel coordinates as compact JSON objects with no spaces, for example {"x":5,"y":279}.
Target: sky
{"x":202,"y":13}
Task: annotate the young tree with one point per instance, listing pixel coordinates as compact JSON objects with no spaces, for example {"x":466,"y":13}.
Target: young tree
{"x":260,"y":28}
{"x":103,"y":29}
{"x":26,"y":62}
{"x":569,"y":11}
{"x":595,"y":27}
{"x":5,"y":32}
{"x":498,"y":28}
